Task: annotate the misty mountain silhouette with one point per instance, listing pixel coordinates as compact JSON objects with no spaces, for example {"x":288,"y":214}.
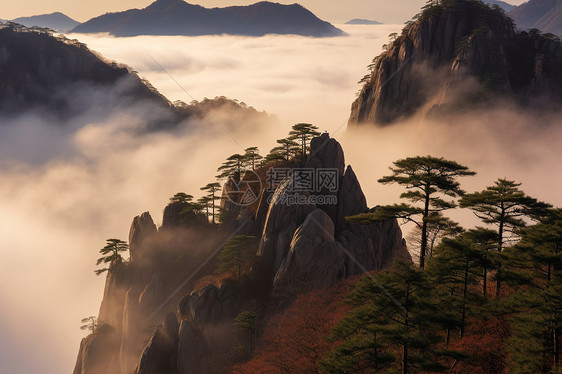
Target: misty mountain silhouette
{"x":502,"y":4}
{"x":56,"y":21}
{"x":61,"y":79}
{"x":545,"y":15}
{"x":176,"y":17}
{"x":360,"y":21}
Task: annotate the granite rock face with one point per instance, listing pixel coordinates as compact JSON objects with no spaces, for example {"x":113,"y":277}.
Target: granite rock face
{"x":192,"y":349}
{"x":97,"y":353}
{"x":280,"y":225}
{"x":142,"y":228}
{"x":160,"y":354}
{"x":455,"y":56}
{"x":314,"y":260}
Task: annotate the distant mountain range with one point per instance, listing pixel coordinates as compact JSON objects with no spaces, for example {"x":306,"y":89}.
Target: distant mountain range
{"x":358,"y":21}
{"x":176,"y":17}
{"x":502,"y":4}
{"x":545,"y":15}
{"x":56,"y":21}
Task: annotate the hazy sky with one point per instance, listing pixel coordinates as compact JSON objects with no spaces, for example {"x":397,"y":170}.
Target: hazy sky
{"x":336,"y":11}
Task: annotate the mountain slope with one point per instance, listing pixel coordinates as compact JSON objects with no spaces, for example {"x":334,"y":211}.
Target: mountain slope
{"x":459,"y":55}
{"x":56,"y":21}
{"x":502,"y":4}
{"x":176,"y":17}
{"x":64,"y":83}
{"x":62,"y":77}
{"x":545,"y":15}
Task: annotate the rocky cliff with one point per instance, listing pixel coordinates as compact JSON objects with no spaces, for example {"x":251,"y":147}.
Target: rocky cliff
{"x":459,"y":55}
{"x":302,"y":246}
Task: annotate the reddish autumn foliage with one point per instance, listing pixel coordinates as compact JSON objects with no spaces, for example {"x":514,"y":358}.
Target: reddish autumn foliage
{"x":295,"y":340}
{"x":484,"y":345}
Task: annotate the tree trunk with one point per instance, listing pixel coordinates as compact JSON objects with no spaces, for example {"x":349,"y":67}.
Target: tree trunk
{"x":464,"y":292}
{"x":500,"y":247}
{"x":213,"y":206}
{"x":423,"y":248}
{"x":556,"y":346}
{"x":485,"y":283}
{"x":406,"y":323}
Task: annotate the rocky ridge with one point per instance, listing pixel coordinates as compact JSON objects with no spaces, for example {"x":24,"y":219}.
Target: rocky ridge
{"x":302,"y":247}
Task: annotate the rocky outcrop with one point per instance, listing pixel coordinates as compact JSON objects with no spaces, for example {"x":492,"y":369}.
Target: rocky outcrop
{"x":142,"y":229}
{"x":456,"y":55}
{"x":116,"y":284}
{"x":280,"y":225}
{"x":314,"y":260}
{"x":309,"y":246}
{"x":97,"y":353}
{"x":351,"y":200}
{"x":160,"y":354}
{"x":192,"y":349}
{"x":304,"y":245}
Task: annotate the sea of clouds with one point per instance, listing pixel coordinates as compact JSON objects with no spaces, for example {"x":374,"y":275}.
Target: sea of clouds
{"x":65,"y":189}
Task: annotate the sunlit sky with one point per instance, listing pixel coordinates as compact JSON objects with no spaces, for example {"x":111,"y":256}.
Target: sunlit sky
{"x":336,"y":11}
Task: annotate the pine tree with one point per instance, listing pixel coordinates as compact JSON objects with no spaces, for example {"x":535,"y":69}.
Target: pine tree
{"x":252,"y":157}
{"x":505,"y":206}
{"x":394,"y":327}
{"x":232,"y":167}
{"x":439,"y":227}
{"x":303,"y":133}
{"x":181,"y":198}
{"x":428,"y":180}
{"x":534,"y":268}
{"x":235,"y":255}
{"x":457,"y":269}
{"x":212,"y":189}
{"x":287,"y":148}
{"x":111,"y":254}
{"x":89,"y":323}
{"x":247,"y":321}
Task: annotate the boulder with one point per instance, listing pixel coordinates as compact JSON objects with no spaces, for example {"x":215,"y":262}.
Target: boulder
{"x":326,"y":153}
{"x":314,"y":260}
{"x":177,"y":214}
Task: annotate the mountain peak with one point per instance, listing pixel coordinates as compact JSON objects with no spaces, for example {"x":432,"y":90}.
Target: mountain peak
{"x":177,"y":17}
{"x":429,"y":63}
